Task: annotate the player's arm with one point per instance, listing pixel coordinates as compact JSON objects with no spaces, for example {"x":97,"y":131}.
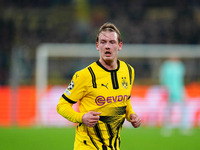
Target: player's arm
{"x":131,"y":116}
{"x":129,"y":110}
{"x":76,"y":90}
{"x":64,"y":108}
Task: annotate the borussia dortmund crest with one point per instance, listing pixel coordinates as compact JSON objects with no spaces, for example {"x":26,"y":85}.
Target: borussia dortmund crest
{"x":124,"y":83}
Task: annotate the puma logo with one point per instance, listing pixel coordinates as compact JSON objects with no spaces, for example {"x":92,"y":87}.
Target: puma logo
{"x":106,"y":86}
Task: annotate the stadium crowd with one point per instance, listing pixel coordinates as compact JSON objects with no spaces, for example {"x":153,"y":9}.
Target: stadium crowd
{"x":31,"y":23}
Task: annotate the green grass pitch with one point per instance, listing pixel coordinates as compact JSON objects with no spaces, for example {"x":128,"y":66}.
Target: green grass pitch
{"x":62,"y":139}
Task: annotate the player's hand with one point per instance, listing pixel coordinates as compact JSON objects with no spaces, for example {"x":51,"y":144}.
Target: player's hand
{"x":91,"y":118}
{"x":135,"y":120}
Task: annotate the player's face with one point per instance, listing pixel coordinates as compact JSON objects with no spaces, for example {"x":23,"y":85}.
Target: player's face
{"x":108,"y":46}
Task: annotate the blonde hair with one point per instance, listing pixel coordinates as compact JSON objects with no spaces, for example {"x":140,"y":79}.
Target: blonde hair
{"x":109,"y":27}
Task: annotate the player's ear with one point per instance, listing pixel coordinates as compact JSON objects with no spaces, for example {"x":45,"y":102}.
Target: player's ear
{"x":120,"y":46}
{"x":97,"y":46}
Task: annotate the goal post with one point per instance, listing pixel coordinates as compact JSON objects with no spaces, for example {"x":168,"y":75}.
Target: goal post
{"x":45,"y":51}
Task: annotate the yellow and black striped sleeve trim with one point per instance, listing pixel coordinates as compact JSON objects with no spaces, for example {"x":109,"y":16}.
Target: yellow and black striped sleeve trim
{"x":67,"y":99}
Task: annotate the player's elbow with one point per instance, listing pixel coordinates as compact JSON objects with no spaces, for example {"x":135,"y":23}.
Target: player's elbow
{"x":60,"y":105}
{"x":58,"y":108}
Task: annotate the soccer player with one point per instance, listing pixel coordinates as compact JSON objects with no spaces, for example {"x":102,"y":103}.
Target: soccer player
{"x":172,"y":73}
{"x":103,"y":90}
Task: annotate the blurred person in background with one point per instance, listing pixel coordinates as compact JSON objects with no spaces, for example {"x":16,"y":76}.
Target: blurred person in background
{"x":172,"y":74}
{"x":103,"y":90}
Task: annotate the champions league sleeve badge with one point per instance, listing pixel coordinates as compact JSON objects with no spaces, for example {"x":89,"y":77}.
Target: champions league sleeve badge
{"x":70,"y":87}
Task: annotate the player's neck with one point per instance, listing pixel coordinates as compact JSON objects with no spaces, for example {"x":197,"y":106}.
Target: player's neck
{"x":110,"y":65}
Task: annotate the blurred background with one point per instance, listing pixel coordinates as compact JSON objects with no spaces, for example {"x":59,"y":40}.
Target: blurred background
{"x":44,"y":42}
{"x":26,"y":25}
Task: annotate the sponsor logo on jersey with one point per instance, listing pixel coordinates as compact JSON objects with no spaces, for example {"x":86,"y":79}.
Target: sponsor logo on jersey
{"x":101,"y":100}
{"x":105,"y":85}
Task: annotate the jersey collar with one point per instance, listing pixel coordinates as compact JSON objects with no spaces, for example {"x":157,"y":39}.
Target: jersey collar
{"x":100,"y":65}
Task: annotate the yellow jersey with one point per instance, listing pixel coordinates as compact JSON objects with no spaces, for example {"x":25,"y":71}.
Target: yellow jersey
{"x":101,"y":90}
